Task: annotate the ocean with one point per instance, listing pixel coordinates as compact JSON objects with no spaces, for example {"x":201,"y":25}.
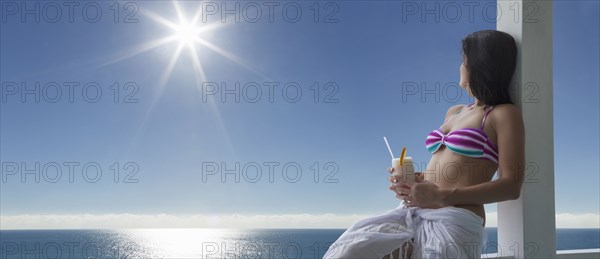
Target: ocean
{"x":209,"y":243}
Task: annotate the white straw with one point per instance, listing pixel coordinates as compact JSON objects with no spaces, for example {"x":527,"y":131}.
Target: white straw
{"x":388,"y":146}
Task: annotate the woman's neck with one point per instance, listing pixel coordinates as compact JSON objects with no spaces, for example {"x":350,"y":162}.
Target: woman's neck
{"x":479,"y":103}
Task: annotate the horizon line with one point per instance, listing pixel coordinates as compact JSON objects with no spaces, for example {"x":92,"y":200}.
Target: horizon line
{"x":230,"y":221}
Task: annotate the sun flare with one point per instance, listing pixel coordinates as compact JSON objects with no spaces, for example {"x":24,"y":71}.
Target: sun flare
{"x":186,"y":33}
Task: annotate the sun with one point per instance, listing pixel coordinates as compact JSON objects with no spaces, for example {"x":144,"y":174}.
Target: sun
{"x":186,"y":33}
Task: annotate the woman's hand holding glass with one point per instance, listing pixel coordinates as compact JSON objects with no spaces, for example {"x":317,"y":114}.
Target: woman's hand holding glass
{"x":421,"y":193}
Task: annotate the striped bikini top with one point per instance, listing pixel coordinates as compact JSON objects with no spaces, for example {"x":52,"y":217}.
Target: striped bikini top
{"x":471,"y":142}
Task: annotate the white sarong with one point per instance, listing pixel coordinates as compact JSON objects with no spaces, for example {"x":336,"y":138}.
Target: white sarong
{"x":448,"y":232}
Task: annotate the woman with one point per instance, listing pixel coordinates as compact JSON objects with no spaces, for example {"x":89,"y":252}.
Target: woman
{"x":443,"y":214}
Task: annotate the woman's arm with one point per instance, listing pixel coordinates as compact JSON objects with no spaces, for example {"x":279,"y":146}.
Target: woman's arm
{"x":508,"y":124}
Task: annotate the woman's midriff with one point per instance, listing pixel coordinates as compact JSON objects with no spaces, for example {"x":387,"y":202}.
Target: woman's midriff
{"x":450,"y":170}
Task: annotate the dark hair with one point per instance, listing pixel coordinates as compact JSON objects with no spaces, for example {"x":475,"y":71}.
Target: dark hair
{"x":490,"y":57}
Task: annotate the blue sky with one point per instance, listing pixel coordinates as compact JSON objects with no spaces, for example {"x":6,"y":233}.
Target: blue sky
{"x":358,"y":55}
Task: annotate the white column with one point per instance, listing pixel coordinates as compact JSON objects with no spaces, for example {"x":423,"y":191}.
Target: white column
{"x":526,"y":226}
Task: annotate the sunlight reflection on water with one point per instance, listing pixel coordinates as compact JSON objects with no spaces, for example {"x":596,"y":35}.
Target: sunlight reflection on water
{"x":167,"y":243}
{"x":217,"y":243}
{"x":182,"y":243}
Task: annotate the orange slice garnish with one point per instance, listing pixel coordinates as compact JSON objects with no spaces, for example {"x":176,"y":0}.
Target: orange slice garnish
{"x":402,"y":155}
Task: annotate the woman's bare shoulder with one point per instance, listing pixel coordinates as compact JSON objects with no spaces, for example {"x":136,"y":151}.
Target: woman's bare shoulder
{"x":506,"y":113}
{"x":507,"y":110}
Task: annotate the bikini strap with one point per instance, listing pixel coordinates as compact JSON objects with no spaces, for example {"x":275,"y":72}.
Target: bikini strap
{"x":485,"y":116}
